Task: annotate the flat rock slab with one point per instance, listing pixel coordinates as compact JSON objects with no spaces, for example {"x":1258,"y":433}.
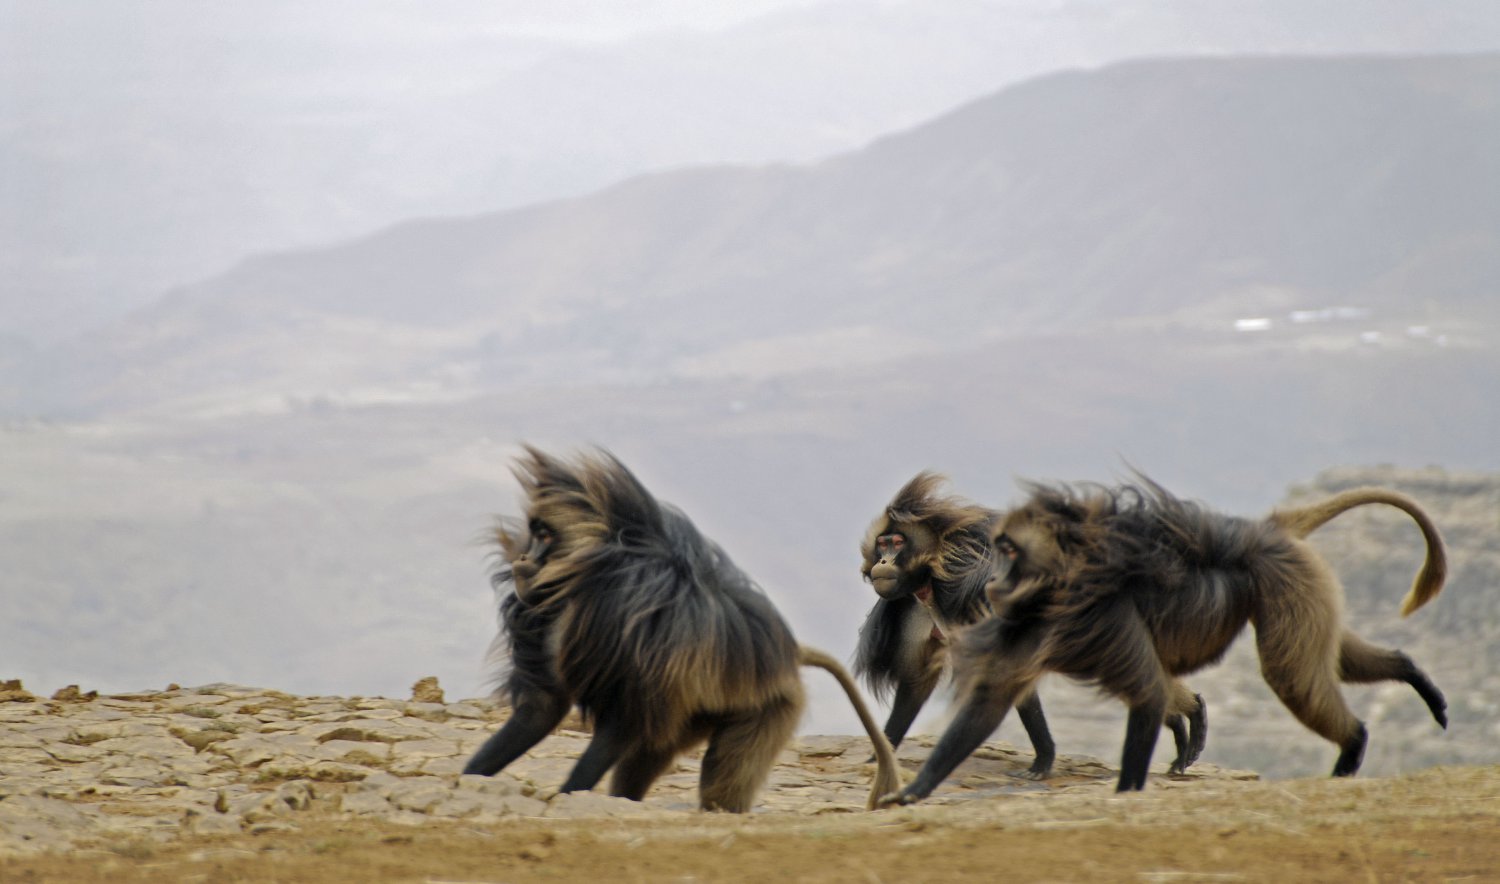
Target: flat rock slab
{"x":82,"y":769}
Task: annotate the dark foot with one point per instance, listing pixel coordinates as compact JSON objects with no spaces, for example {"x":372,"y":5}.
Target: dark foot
{"x":1041,"y":766}
{"x":1191,"y":741}
{"x":1352,"y":754}
{"x":1431,"y":696}
{"x":1178,"y":726}
{"x":1197,"y":730}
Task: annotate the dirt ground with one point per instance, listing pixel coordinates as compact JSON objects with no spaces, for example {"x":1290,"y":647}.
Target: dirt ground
{"x":1437,"y":825}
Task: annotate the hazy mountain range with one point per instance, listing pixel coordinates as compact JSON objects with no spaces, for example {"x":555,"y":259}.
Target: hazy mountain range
{"x":1180,"y":192}
{"x":150,"y":144}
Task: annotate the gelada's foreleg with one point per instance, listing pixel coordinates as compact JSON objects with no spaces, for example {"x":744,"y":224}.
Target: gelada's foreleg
{"x":535,"y":716}
{"x":980,"y":713}
{"x":1141,"y":730}
{"x":1029,"y":709}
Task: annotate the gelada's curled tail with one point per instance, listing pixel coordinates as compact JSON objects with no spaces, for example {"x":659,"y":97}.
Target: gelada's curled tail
{"x":1302,"y":521}
{"x":887,"y":778}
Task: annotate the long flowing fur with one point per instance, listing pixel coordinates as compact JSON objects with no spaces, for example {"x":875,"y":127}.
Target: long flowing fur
{"x":961,"y":529}
{"x":650,"y":615}
{"x":881,"y":658}
{"x":1128,"y":587}
{"x":1137,"y":546}
{"x":960,"y":569}
{"x":649,"y":628}
{"x":947,"y":546}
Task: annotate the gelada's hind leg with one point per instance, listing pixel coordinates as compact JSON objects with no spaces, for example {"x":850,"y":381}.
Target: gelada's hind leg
{"x":1177,"y":724}
{"x":608,"y":744}
{"x":1300,"y":663}
{"x":741,"y":752}
{"x":1362,"y":662}
{"x":637,"y":769}
{"x":1187,"y":719}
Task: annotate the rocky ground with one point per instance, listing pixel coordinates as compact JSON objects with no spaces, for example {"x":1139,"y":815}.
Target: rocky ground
{"x":227,"y":783}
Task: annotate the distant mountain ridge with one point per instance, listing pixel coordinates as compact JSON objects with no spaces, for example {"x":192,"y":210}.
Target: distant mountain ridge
{"x":162,"y":161}
{"x":1141,"y":190}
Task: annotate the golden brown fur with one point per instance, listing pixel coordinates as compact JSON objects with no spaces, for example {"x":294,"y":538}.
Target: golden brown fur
{"x":1304,"y":520}
{"x":623,"y":608}
{"x":1129,"y":587}
{"x":946,"y":525}
{"x":933,"y":583}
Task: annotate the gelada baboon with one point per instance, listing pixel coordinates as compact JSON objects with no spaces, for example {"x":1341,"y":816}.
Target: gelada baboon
{"x":623,"y":608}
{"x":1126,"y":588}
{"x":929,"y":556}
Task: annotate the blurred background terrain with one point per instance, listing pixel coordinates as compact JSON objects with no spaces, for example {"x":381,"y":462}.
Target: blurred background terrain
{"x":283,"y":296}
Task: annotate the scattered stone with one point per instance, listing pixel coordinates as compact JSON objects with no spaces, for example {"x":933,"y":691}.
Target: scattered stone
{"x":572,"y":805}
{"x":820,"y":747}
{"x":420,"y":798}
{"x":199,"y":740}
{"x":297,"y":794}
{"x":71,"y":754}
{"x":12,"y":692}
{"x":499,"y":784}
{"x":364,"y":803}
{"x":211,"y":824}
{"x":427,"y":711}
{"x":197,"y":704}
{"x":426,"y":690}
{"x":380,"y":731}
